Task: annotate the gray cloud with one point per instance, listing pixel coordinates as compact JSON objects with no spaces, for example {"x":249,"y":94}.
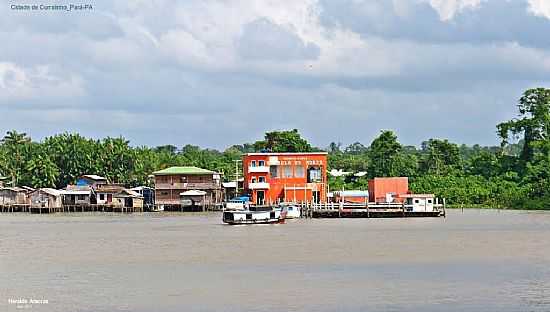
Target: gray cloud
{"x":185,"y":73}
{"x":264,"y":40}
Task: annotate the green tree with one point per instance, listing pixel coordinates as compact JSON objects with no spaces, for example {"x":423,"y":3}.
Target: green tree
{"x":533,"y":123}
{"x":385,"y":156}
{"x":283,"y":141}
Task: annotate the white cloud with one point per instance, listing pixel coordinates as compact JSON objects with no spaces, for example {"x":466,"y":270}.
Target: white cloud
{"x":36,"y":82}
{"x":540,"y":7}
{"x":447,"y":9}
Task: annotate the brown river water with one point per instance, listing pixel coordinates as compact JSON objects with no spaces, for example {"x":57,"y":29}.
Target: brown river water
{"x":476,"y":260}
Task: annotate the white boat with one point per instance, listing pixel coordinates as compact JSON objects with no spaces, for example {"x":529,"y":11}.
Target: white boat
{"x":293,"y":211}
{"x":235,"y":217}
{"x":237,"y":204}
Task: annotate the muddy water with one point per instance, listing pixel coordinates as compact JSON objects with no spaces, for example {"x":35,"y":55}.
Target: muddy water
{"x":479,"y":260}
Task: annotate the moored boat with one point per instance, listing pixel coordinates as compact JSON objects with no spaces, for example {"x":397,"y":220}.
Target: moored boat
{"x":293,"y":211}
{"x":235,"y":217}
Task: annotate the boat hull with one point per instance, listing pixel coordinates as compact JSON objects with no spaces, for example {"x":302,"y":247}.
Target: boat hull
{"x":252,"y":217}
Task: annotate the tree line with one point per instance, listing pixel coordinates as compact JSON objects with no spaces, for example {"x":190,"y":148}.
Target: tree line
{"x":515,"y":174}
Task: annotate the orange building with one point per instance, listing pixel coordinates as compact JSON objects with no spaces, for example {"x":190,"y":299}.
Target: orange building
{"x":271,"y":178}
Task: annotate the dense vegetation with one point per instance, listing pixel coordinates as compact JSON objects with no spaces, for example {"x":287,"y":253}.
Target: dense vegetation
{"x":512,"y":175}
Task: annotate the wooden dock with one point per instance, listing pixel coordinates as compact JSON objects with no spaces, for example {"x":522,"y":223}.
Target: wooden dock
{"x":68,"y":208}
{"x":368,"y":210}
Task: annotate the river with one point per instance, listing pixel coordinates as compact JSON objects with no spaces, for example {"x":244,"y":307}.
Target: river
{"x":476,"y":260}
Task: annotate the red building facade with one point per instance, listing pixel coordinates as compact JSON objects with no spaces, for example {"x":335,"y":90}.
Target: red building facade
{"x":271,"y":178}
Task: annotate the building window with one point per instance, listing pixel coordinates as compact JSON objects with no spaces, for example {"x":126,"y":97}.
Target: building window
{"x":261,"y":179}
{"x":299,"y":171}
{"x":261,"y":163}
{"x":253,"y":180}
{"x":287,"y":171}
{"x":164,"y":193}
{"x":101,"y":196}
{"x":274,"y":171}
{"x":253,"y":163}
{"x":80,"y":197}
{"x":314,"y":175}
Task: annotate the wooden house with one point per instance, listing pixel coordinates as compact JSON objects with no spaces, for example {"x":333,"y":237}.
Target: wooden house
{"x":173,"y":181}
{"x":77,"y":195}
{"x":10,"y":196}
{"x":128,"y":199}
{"x":46,"y":198}
{"x":104,"y":194}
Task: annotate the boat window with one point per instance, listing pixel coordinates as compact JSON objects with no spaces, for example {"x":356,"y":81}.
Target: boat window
{"x":253,"y":163}
{"x":248,"y":216}
{"x":274,"y":171}
{"x":429,"y":201}
{"x":417,"y":201}
{"x":261,"y":163}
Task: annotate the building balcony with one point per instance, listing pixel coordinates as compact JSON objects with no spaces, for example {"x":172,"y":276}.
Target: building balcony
{"x":187,"y":186}
{"x":258,"y":185}
{"x":262,"y":169}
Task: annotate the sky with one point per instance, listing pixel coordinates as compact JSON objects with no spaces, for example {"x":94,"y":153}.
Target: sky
{"x":218,"y":73}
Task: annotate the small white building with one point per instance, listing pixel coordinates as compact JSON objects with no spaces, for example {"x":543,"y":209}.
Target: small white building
{"x":419,"y":202}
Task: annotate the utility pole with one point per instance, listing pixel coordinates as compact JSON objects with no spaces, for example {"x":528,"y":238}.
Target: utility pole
{"x":237,"y":176}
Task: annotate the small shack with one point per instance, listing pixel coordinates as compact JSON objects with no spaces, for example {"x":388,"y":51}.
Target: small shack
{"x":148,"y":194}
{"x":351,"y":196}
{"x":13,"y":196}
{"x":105,"y":193}
{"x":75,"y":195}
{"x":129,"y":199}
{"x":48,"y":198}
{"x":418,"y":202}
{"x":195,"y":200}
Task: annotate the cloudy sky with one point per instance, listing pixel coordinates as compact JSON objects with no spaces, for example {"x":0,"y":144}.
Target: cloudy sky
{"x":217,"y":73}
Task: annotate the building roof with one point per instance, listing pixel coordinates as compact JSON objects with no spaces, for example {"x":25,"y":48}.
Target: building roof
{"x":193,"y":193}
{"x":93,"y":177}
{"x":140,"y":188}
{"x":3,"y":178}
{"x":352,"y":193}
{"x":286,"y":153}
{"x":416,"y":195}
{"x":14,"y":189}
{"x":128,"y":193}
{"x":75,"y":192}
{"x":183,"y":170}
{"x":50,"y":191}
{"x":231,"y":184}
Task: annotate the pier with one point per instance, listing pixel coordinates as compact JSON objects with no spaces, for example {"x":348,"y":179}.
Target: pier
{"x":369,"y":210}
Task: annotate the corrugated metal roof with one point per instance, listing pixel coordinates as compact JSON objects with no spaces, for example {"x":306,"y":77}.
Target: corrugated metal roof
{"x":193,"y":193}
{"x":50,"y":191}
{"x":93,"y":177}
{"x":183,"y":170}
